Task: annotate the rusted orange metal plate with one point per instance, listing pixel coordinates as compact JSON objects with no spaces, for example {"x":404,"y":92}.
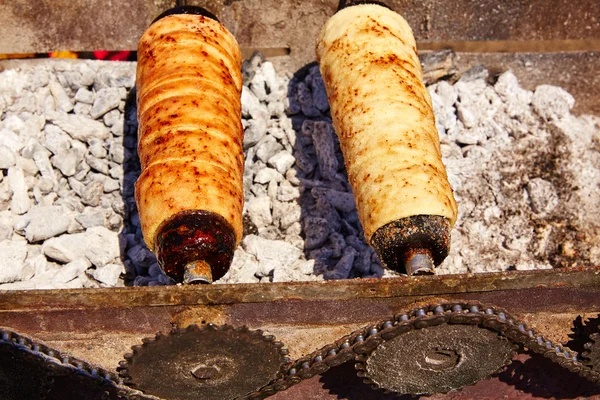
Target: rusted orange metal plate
{"x":53,"y":25}
{"x":100,"y":325}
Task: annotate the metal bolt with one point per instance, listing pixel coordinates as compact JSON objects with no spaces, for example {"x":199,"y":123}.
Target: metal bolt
{"x":419,"y":262}
{"x":439,"y":359}
{"x":204,"y":373}
{"x":197,"y":272}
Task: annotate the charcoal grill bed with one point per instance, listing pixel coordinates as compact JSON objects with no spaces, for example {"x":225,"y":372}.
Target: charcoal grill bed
{"x":543,"y":41}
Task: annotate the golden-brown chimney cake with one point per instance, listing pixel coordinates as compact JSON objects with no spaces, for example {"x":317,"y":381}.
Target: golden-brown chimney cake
{"x":190,"y":193}
{"x":383,"y":116}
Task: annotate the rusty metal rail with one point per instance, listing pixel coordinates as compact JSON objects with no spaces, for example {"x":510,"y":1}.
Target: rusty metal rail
{"x":100,"y":325}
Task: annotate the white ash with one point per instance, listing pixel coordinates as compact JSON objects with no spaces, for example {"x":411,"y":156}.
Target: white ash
{"x":61,"y":208}
{"x":527,"y":188}
{"x":524,"y":170}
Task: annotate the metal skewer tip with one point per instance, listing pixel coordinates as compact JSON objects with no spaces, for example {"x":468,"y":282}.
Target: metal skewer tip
{"x":197,"y":272}
{"x":419,"y":262}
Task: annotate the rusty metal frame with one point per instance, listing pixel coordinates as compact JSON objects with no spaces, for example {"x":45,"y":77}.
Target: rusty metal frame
{"x":100,"y":325}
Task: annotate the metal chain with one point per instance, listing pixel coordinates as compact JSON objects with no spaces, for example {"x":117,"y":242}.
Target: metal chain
{"x":361,"y":343}
{"x":55,"y":363}
{"x":356,"y":346}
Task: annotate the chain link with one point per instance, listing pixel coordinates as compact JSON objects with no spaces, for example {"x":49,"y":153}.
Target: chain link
{"x":361,"y":343}
{"x":356,"y":346}
{"x":57,"y":363}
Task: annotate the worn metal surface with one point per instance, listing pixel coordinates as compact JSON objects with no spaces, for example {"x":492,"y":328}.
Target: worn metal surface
{"x":203,"y":361}
{"x":580,"y":278}
{"x":437,"y":359}
{"x":51,"y":25}
{"x":557,"y":41}
{"x":592,"y":350}
{"x":144,"y":310}
{"x":100,"y":325}
{"x":528,"y":377}
{"x":493,"y":318}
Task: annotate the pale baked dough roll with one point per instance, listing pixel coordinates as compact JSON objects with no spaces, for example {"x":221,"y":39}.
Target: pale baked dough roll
{"x":190,"y":144}
{"x":383,"y":116}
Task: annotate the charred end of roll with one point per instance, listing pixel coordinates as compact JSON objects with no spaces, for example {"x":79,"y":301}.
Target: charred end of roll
{"x":195,"y":247}
{"x":193,"y":10}
{"x":413,"y":245}
{"x":349,"y":3}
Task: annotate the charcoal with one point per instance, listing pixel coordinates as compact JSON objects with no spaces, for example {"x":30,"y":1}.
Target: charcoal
{"x":317,"y":230}
{"x":322,"y":136}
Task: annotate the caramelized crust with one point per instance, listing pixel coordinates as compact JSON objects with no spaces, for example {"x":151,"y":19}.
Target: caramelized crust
{"x":383,"y":116}
{"x":190,"y":132}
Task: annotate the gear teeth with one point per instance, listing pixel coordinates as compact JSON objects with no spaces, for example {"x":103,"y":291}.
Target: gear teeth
{"x":129,"y":370}
{"x":429,"y":316}
{"x":57,"y":363}
{"x":591,"y":356}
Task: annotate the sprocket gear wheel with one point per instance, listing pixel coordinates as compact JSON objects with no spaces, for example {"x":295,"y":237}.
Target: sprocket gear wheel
{"x":29,"y":369}
{"x":591,"y":354}
{"x":435,"y":359}
{"x":203,"y":362}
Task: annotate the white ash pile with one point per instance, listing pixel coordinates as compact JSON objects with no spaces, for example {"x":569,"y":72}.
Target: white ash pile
{"x":68,"y":165}
{"x":526,"y":175}
{"x":272,"y":249}
{"x":61,"y":164}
